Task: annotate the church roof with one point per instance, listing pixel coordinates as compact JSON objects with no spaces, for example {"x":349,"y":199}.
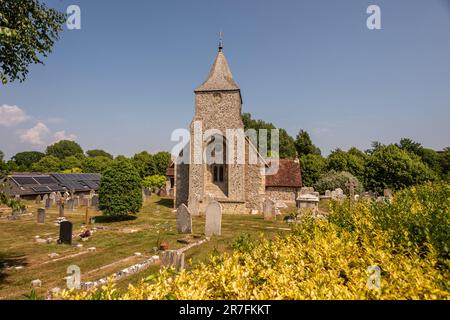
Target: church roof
{"x":220,"y":77}
{"x":288,"y":175}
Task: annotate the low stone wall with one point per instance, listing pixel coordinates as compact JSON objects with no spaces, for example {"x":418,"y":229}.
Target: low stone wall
{"x":287,"y":194}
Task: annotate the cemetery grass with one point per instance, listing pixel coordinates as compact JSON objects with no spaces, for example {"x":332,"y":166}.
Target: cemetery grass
{"x":115,"y":245}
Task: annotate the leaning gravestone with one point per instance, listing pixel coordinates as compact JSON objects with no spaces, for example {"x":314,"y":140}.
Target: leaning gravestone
{"x":41,"y":215}
{"x":65,"y":232}
{"x":213,"y":223}
{"x":269,"y":210}
{"x":184,"y":219}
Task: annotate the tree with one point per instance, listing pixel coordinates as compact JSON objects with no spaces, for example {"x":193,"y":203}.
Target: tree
{"x":286,"y":142}
{"x":24,"y":160}
{"x":333,"y":180}
{"x":429,"y":157}
{"x":98,"y":153}
{"x":3,"y":166}
{"x":143,"y":162}
{"x":160,"y":162}
{"x":410,"y":146}
{"x":304,"y":145}
{"x":47,"y":164}
{"x":312,"y":167}
{"x":120,"y":191}
{"x":154,"y":182}
{"x":70,"y":162}
{"x":28,"y":30}
{"x":445,"y":163}
{"x":95,"y":165}
{"x":352,"y":161}
{"x":65,"y":148}
{"x":394,"y":168}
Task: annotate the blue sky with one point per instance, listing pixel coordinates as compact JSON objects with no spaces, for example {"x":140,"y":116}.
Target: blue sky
{"x":125,"y":81}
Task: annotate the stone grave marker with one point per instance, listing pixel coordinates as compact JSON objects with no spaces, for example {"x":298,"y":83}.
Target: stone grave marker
{"x":71,"y":204}
{"x":48,"y":203}
{"x":65,"y":232}
{"x":95,"y":202}
{"x":41,"y":215}
{"x":172,"y":258}
{"x":269,"y":209}
{"x":213,"y":225}
{"x":184,"y":219}
{"x":76,"y":201}
{"x":52,"y":198}
{"x":61,"y":205}
{"x":193,"y":206}
{"x":38,"y":199}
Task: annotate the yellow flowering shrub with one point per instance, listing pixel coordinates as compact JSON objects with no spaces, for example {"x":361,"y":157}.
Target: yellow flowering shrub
{"x":325,"y":259}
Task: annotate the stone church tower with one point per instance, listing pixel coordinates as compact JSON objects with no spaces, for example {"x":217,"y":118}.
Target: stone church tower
{"x":238,"y":187}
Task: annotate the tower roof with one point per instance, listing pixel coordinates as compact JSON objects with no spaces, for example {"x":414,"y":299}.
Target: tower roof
{"x":220,"y":77}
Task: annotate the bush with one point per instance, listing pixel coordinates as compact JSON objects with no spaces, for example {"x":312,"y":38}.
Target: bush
{"x":154,"y":182}
{"x":120,"y":191}
{"x":333,"y":180}
{"x":47,"y":164}
{"x":323,"y":259}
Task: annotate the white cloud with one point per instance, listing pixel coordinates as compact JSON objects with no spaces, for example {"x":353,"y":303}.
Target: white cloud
{"x":12,"y":115}
{"x":35,"y":135}
{"x":62,"y":135}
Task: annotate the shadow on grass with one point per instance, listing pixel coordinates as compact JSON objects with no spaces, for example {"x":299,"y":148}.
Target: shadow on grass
{"x":110,"y":219}
{"x":10,"y":260}
{"x":166,"y":202}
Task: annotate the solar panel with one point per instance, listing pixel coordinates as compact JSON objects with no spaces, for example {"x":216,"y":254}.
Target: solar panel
{"x":55,"y":188}
{"x":91,"y":184}
{"x":24,"y":180}
{"x":45,"y":180}
{"x":40,"y":188}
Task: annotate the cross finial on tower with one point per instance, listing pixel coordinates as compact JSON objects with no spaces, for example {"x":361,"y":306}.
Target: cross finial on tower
{"x":220,"y":41}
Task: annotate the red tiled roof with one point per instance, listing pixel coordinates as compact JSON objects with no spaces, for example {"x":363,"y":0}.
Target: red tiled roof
{"x":288,"y":175}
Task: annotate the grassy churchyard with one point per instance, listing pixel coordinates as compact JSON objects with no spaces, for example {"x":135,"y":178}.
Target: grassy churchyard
{"x":24,"y":259}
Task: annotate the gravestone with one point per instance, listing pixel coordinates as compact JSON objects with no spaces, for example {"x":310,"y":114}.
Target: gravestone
{"x":172,"y":258}
{"x":306,"y":190}
{"x":48,"y":203}
{"x":94,"y":201}
{"x":162,"y":192}
{"x":76,"y":201}
{"x":38,"y":199}
{"x":213,"y":225}
{"x":44,"y":198}
{"x":328,"y":193}
{"x":41,"y":215}
{"x":61,"y":207}
{"x":184,"y":219}
{"x":66,"y":195}
{"x":52,"y":198}
{"x":58,"y":197}
{"x":65,"y":232}
{"x":71,"y":204}
{"x":269,"y":209}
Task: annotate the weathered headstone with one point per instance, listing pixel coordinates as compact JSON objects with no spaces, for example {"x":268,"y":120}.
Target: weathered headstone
{"x":95,"y":202}
{"x":71,"y":204}
{"x":184,"y":220}
{"x":213,"y":224}
{"x":328,"y":193}
{"x":351,"y":184}
{"x":41,"y":215}
{"x":269,"y":209}
{"x":162,"y":192}
{"x":52,"y":197}
{"x":65,"y":232}
{"x":306,"y":190}
{"x":61,"y":205}
{"x":76,"y":201}
{"x":38,"y":199}
{"x":172,"y":258}
{"x":48,"y":203}
{"x":44,"y":198}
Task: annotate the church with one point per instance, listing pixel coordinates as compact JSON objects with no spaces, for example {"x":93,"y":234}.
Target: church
{"x":239,"y":186}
